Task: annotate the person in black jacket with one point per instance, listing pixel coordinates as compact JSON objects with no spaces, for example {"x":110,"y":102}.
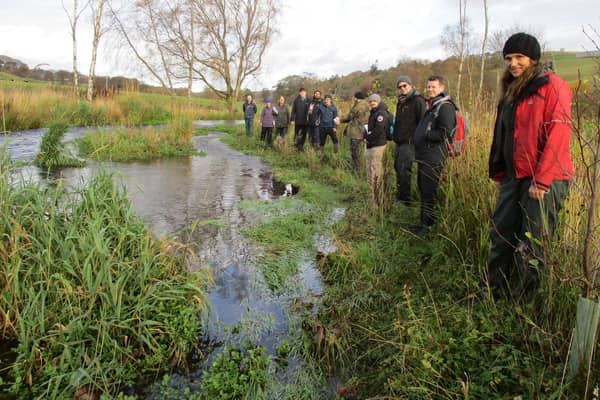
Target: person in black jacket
{"x":299,"y":118}
{"x":314,"y":119}
{"x":431,"y":148}
{"x":378,"y":130}
{"x":409,"y":111}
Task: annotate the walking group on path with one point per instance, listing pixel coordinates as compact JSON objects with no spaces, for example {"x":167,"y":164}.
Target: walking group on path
{"x":530,"y":159}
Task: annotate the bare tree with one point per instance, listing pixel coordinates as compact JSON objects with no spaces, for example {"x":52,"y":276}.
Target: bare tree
{"x":233,"y":36}
{"x":486,"y":22}
{"x":497,"y":38}
{"x":455,"y":40}
{"x":97,"y":18}
{"x":73,"y":19}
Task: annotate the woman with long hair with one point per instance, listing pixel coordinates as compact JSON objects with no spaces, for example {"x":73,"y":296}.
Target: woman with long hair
{"x":530,"y":161}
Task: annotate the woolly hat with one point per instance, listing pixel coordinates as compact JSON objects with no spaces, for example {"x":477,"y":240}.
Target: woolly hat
{"x":359,"y":95}
{"x":268,"y":100}
{"x":375,"y":97}
{"x":329,"y":95}
{"x":523,"y":43}
{"x":404,"y":78}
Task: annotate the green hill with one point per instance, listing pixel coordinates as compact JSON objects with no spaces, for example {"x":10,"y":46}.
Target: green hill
{"x":567,"y":65}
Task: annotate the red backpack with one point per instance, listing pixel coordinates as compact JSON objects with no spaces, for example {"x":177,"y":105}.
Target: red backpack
{"x":456,"y":140}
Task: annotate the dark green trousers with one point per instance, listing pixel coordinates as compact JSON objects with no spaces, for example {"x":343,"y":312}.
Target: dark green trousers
{"x":520,"y":230}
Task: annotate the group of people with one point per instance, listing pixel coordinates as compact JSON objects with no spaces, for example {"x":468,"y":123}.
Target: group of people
{"x":530,"y":158}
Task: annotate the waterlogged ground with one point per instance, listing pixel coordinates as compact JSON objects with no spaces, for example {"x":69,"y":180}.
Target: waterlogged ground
{"x":207,"y":202}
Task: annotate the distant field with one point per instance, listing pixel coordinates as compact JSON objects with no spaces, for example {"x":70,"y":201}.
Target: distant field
{"x":567,"y":65}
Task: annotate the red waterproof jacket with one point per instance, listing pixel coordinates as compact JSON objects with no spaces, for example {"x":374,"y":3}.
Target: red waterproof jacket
{"x":542,"y":135}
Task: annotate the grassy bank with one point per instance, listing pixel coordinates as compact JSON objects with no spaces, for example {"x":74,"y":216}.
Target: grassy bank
{"x":139,"y":144}
{"x":30,"y":105}
{"x":393,"y":322}
{"x":89,"y":299}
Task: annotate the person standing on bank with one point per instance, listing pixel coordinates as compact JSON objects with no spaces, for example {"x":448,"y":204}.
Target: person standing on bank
{"x":328,"y":123}
{"x":299,"y":118}
{"x":431,"y":149}
{"x":250,"y":111}
{"x":267,"y":120}
{"x":409,"y":111}
{"x":378,"y":130}
{"x":313,"y":119}
{"x":357,"y":118}
{"x":531,"y":164}
{"x":282,"y":117}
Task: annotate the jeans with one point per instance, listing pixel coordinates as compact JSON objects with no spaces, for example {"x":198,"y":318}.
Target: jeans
{"x":249,"y":126}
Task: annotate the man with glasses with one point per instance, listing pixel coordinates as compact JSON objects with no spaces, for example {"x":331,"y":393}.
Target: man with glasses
{"x":409,"y":111}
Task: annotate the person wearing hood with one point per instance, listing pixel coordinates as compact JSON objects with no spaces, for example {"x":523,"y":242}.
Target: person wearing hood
{"x":357,"y":118}
{"x":431,"y":149}
{"x":329,"y":120}
{"x":409,"y":111}
{"x":267,"y":120}
{"x":314,"y":119}
{"x":376,"y":136}
{"x":531,"y":164}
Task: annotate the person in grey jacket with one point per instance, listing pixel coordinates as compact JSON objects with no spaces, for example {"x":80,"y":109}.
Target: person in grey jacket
{"x":250,"y":110}
{"x":282,"y":117}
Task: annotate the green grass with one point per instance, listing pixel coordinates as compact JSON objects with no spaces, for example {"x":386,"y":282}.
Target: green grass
{"x":218,"y":128}
{"x":126,"y":145}
{"x":568,"y":66}
{"x":52,"y":153}
{"x":393,"y":321}
{"x":91,"y":299}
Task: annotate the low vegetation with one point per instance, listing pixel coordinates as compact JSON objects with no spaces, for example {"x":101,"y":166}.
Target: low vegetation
{"x":52,"y":153}
{"x":89,"y":299}
{"x":139,"y":144}
{"x":32,"y":104}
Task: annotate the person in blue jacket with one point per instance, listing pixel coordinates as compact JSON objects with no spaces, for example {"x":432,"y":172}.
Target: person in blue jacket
{"x":250,"y":111}
{"x":329,"y":120}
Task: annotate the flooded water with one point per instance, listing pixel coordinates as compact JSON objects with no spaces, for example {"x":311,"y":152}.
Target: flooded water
{"x":198,"y":199}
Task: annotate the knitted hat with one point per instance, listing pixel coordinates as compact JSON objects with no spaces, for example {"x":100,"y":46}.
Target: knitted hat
{"x":404,"y":78}
{"x":359,"y":95}
{"x":329,"y":95}
{"x":375,"y":97}
{"x":523,"y":43}
{"x":268,"y":100}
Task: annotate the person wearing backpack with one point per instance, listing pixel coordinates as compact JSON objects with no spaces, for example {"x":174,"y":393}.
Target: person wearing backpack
{"x":376,"y":136}
{"x":432,"y":135}
{"x":531,"y":164}
{"x":409,"y":111}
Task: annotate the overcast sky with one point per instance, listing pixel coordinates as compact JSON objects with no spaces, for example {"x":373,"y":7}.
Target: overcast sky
{"x":324,"y":37}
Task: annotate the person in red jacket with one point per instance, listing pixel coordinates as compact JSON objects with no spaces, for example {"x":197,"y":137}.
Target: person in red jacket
{"x":530,"y":162}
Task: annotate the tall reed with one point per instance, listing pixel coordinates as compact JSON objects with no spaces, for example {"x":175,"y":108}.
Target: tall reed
{"x":88,"y":295}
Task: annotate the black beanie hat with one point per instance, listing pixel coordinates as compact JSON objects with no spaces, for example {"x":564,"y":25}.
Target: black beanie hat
{"x":359,"y":95}
{"x":523,"y":43}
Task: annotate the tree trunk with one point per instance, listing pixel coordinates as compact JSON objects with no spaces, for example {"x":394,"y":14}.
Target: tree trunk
{"x":483,"y":48}
{"x":463,"y":31}
{"x":74,"y":35}
{"x":95,"y":41}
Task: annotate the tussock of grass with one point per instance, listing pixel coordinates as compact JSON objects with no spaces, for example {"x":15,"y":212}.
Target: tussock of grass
{"x":52,"y":151}
{"x":90,"y":297}
{"x":124,"y":145}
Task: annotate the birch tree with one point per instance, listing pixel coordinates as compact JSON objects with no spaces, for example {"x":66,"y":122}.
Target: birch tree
{"x":486,"y":22}
{"x":97,"y":18}
{"x":73,"y":19}
{"x":455,"y":39}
